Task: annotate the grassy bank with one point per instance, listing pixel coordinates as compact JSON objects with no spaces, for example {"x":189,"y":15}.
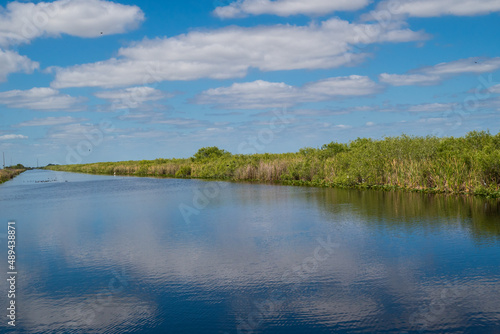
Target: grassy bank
{"x":463,"y":165}
{"x":8,"y":174}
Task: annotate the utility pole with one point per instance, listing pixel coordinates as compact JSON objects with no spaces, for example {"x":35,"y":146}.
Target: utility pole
{"x":3,"y":153}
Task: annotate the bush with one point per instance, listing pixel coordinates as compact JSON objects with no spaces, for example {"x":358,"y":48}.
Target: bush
{"x":469,"y":164}
{"x":209,"y":153}
{"x":184,"y":171}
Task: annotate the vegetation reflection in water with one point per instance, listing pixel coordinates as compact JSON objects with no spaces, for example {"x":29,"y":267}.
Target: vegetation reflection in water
{"x":409,"y":211}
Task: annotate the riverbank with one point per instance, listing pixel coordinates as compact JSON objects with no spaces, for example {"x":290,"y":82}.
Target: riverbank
{"x":9,"y":174}
{"x":465,"y":165}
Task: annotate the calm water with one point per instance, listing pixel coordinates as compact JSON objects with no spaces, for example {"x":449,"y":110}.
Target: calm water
{"x":101,"y":254}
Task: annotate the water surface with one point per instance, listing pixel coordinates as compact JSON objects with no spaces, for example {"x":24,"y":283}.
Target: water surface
{"x":104,"y":254}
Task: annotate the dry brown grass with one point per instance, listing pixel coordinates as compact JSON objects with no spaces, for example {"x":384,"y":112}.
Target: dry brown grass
{"x":8,"y":174}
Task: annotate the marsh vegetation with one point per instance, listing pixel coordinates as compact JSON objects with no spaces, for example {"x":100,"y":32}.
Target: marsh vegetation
{"x":10,"y":172}
{"x":457,"y":165}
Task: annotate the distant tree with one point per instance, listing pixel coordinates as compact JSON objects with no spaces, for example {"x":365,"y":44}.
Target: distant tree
{"x":478,"y":139}
{"x":307,"y":151}
{"x":207,"y":153}
{"x":360,"y":143}
{"x":18,"y":166}
{"x":332,"y":149}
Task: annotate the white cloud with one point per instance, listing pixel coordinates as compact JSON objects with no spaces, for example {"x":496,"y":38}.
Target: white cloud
{"x":50,"y":121}
{"x":263,"y":94}
{"x":409,"y":79}
{"x":393,"y":108}
{"x":482,"y":105}
{"x":342,"y":127}
{"x":250,"y":95}
{"x":39,"y":99}
{"x":353,"y":85}
{"x":287,"y":7}
{"x":230,"y":52}
{"x":20,"y":22}
{"x":433,"y":75}
{"x":75,"y":131}
{"x":152,"y":117}
{"x":11,"y":62}
{"x":10,"y":137}
{"x":143,"y":135}
{"x":435,"y":8}
{"x":430,"y":107}
{"x":469,"y":65}
{"x":184,"y":122}
{"x":494,"y":89}
{"x":132,"y":97}
{"x":142,"y":117}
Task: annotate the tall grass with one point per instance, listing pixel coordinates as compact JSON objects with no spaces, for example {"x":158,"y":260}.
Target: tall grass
{"x":463,"y":165}
{"x":8,"y":174}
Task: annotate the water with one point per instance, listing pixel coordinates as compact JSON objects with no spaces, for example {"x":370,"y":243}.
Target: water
{"x":103,"y":254}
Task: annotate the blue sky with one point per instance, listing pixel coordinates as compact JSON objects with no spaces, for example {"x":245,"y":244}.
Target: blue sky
{"x":91,"y":80}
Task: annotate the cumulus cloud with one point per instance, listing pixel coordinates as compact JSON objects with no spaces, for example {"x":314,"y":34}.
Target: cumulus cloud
{"x":230,"y":52}
{"x":12,"y":62}
{"x":10,"y":137}
{"x":263,"y":94}
{"x":131,"y":97}
{"x":287,"y":7}
{"x":39,"y":99}
{"x":435,"y":8}
{"x":433,"y":75}
{"x":20,"y":22}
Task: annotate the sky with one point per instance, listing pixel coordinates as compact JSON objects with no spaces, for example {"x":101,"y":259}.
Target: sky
{"x":85,"y":81}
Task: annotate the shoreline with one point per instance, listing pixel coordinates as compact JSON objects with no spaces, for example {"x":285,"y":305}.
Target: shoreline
{"x":468,"y":165}
{"x":9,"y":174}
{"x":298,"y":183}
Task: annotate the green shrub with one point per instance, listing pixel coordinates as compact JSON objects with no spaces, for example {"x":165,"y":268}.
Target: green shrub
{"x":184,"y":171}
{"x":469,"y":164}
{"x":209,"y":153}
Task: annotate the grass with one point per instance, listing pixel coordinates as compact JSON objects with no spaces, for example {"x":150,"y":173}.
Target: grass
{"x":8,"y":174}
{"x":455,"y":165}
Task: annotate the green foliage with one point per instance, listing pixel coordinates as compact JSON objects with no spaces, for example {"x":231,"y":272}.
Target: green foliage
{"x":18,"y":166}
{"x":332,"y":149}
{"x":184,"y":171}
{"x":209,"y":153}
{"x":465,"y":165}
{"x":9,"y":173}
{"x":308,"y":151}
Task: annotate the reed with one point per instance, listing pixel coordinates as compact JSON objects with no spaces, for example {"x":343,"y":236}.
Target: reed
{"x":463,"y":165}
{"x":8,"y":174}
